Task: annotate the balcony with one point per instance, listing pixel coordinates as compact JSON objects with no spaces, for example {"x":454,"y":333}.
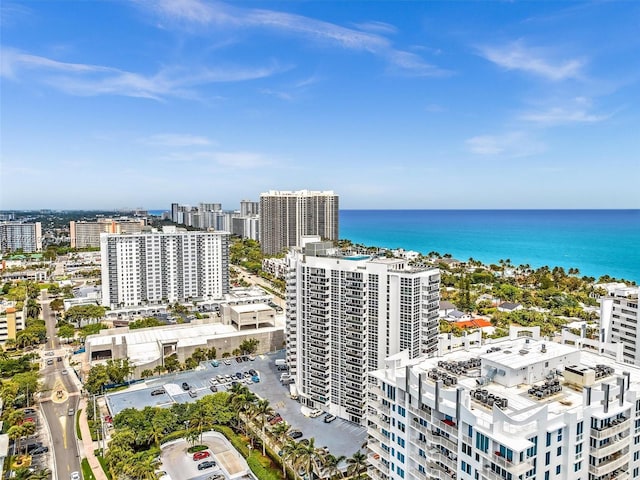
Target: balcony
{"x":439,"y":471}
{"x":609,"y":466}
{"x":515,"y":469}
{"x":613,"y":447}
{"x":611,"y":430}
{"x":447,"y":461}
{"x":440,"y":440}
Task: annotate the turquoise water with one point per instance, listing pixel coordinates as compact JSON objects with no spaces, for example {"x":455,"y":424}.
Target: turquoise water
{"x":598,"y":242}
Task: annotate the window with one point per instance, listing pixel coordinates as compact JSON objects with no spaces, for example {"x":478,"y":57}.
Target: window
{"x":577,"y":466}
{"x":547,"y":459}
{"x":559,"y":452}
{"x":558,"y":468}
{"x":548,"y":439}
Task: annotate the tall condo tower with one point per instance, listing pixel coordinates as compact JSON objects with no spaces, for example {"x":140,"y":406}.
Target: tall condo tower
{"x":286,"y":216}
{"x":345,"y":315}
{"x":156,"y":268}
{"x":20,"y":236}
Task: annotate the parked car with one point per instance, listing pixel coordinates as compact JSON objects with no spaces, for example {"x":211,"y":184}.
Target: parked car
{"x":74,"y":476}
{"x":273,"y":419}
{"x":328,"y":418}
{"x":218,"y":476}
{"x":157,"y":391}
{"x":108,"y":418}
{"x":295,"y":434}
{"x":33,"y":446}
{"x":227,"y":361}
{"x":40,"y":451}
{"x":252,"y":358}
{"x":252,"y":371}
{"x":207,"y":464}
{"x":316,"y":412}
{"x":201,"y":455}
{"x":215,"y":363}
{"x":185,"y":386}
{"x":255,"y":379}
{"x":29,"y":411}
{"x":59,"y":359}
{"x":238,"y":375}
{"x":49,"y":362}
{"x":213,"y":388}
{"x":64,"y":372}
{"x":193,"y":394}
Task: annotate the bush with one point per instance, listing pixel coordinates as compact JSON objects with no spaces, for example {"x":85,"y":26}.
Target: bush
{"x":196,"y":448}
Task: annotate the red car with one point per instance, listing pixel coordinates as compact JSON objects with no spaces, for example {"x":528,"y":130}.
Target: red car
{"x":108,"y":418}
{"x":201,"y":455}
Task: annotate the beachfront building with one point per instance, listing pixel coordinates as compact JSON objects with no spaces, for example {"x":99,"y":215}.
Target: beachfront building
{"x":620,"y":321}
{"x":26,"y":237}
{"x":346,"y":314}
{"x":287,"y":216}
{"x":516,"y":409}
{"x":87,"y":234}
{"x":163,"y":267}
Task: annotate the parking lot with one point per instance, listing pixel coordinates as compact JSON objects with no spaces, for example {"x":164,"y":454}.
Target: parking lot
{"x":340,"y":437}
{"x":179,"y":464}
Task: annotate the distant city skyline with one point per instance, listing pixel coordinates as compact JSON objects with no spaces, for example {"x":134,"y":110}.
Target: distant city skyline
{"x":412,"y":105}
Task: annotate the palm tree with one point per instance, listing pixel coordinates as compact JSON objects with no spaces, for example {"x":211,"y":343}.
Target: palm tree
{"x":44,"y":474}
{"x":356,"y":464}
{"x":146,"y":373}
{"x":143,"y":468}
{"x":262,"y":409}
{"x":307,"y":456}
{"x":28,"y":428}
{"x":289,"y":454}
{"x":330,"y":467}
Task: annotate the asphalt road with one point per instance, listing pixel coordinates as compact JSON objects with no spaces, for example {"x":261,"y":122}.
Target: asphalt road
{"x":56,"y":411}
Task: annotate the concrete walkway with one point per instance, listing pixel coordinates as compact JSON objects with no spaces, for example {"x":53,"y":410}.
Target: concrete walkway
{"x":86,"y":446}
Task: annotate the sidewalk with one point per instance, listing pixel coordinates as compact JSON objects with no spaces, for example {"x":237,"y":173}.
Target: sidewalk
{"x":86,"y":446}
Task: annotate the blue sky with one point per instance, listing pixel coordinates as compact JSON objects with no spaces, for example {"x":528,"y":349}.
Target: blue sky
{"x":389,"y":104}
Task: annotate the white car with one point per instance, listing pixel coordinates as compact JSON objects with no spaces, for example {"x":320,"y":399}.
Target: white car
{"x":75,"y":476}
{"x":316,"y":412}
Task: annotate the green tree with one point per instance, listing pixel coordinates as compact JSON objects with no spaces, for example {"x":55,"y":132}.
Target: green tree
{"x":330,"y":466}
{"x":146,"y":373}
{"x":249,"y":346}
{"x":97,"y":379}
{"x":262,"y":409}
{"x":356,"y":464}
{"x":171,"y":363}
{"x":66,"y":331}
{"x":145,"y":323}
{"x":308,"y":457}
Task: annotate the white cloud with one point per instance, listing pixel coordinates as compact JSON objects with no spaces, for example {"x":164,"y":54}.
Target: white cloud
{"x":176,"y":140}
{"x":237,"y":160}
{"x":511,"y":144}
{"x":205,"y":14}
{"x":376,"y":27}
{"x":516,"y":56}
{"x":558,"y":116}
{"x":89,"y":80}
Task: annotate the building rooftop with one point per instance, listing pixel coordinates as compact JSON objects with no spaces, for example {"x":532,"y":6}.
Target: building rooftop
{"x":559,"y":393}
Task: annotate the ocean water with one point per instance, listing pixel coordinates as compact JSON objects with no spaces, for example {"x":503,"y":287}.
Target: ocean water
{"x":597,"y":242}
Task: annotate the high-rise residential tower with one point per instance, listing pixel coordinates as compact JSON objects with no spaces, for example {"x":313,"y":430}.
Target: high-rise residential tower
{"x":87,"y":234}
{"x":517,"y":409}
{"x":620,"y":320}
{"x":20,"y":236}
{"x":287,"y":216}
{"x":156,"y":268}
{"x":345,"y":315}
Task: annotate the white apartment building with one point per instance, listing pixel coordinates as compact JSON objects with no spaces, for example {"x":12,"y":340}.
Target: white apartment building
{"x":20,"y":236}
{"x":620,"y":321}
{"x":517,"y":409}
{"x":286,"y":216}
{"x":345,"y":315}
{"x":87,"y":234}
{"x":156,"y":268}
